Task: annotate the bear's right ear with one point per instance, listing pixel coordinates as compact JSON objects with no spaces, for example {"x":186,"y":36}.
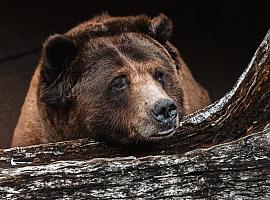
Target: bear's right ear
{"x":58,"y":52}
{"x":162,"y":27}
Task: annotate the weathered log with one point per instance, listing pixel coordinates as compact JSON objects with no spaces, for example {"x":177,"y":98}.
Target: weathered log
{"x":87,"y":168}
{"x":239,"y":170}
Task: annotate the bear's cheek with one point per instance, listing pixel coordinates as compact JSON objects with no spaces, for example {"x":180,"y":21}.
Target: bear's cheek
{"x":116,"y":117}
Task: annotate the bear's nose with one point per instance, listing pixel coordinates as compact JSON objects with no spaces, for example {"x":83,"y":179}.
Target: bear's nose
{"x":164,"y":111}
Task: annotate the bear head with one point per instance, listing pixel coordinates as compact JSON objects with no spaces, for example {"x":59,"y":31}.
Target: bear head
{"x":111,"y":77}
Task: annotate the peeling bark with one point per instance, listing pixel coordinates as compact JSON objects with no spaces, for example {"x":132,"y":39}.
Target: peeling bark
{"x":242,"y":111}
{"x":237,"y":169}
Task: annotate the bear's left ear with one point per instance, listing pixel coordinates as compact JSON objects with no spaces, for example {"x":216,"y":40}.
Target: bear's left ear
{"x":162,"y":27}
{"x":56,"y":79}
{"x":59,"y":50}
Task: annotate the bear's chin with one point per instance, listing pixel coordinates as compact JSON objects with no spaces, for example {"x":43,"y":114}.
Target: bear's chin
{"x":136,"y":140}
{"x":163,"y":133}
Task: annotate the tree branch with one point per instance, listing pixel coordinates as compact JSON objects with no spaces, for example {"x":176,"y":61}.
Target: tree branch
{"x":237,"y":170}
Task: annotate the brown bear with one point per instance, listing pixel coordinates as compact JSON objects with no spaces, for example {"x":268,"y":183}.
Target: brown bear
{"x":115,"y":78}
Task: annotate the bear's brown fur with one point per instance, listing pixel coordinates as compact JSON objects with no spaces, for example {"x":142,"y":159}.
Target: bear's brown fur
{"x":102,"y":79}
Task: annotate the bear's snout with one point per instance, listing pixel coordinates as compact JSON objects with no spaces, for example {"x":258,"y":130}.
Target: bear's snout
{"x":165,"y":114}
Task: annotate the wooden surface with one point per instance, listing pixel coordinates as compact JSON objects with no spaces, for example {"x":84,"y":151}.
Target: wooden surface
{"x":231,"y":169}
{"x":239,"y":170}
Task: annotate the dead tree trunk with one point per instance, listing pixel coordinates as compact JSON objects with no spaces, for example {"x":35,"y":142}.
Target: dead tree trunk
{"x":239,"y":170}
{"x":87,"y":168}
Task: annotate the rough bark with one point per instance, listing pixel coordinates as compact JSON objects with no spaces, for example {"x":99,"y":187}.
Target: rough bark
{"x":239,"y":170}
{"x":87,"y":168}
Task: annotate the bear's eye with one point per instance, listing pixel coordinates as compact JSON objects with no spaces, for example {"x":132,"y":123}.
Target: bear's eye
{"x":120,"y":83}
{"x":160,"y":76}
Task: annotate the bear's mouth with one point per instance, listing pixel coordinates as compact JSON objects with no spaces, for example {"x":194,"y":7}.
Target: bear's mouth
{"x":167,"y":131}
{"x":163,"y":133}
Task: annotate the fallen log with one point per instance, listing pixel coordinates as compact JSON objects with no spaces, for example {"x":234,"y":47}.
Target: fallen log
{"x":238,"y":170}
{"x":88,"y":168}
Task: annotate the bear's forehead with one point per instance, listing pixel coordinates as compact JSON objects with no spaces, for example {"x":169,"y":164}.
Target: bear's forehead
{"x":123,"y":51}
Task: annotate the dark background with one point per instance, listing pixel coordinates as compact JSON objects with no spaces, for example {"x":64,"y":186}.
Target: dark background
{"x":216,"y":39}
